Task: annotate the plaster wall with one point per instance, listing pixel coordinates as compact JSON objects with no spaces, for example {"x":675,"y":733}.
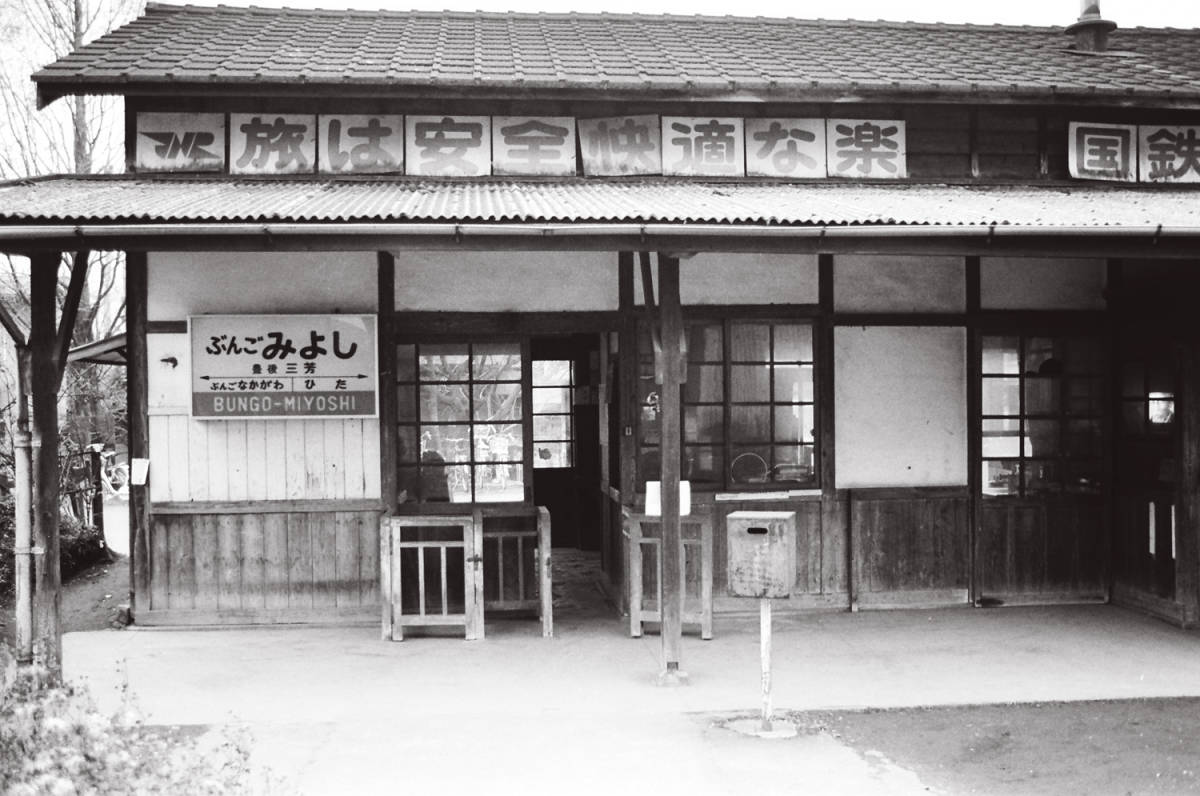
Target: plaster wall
{"x":1041,"y":283}
{"x":725,"y":278}
{"x":901,"y":406}
{"x":506,"y":281}
{"x":898,"y":283}
{"x":251,"y":460}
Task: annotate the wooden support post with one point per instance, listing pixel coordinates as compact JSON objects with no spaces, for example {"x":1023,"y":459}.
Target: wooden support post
{"x":545,"y":573}
{"x":671,"y":550}
{"x":136,"y":286}
{"x":836,"y":562}
{"x":43,"y":301}
{"x":386,"y":303}
{"x":23,"y":511}
{"x":975,"y":424}
{"x":627,"y":379}
{"x":1187,"y":523}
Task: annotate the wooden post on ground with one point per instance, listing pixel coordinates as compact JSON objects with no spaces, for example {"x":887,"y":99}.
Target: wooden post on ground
{"x":136,"y":285}
{"x":764,"y":644}
{"x":671,"y":318}
{"x":23,"y":511}
{"x":43,"y":299}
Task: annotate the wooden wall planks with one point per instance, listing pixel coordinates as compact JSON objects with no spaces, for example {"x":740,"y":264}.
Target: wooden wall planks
{"x":243,"y":566}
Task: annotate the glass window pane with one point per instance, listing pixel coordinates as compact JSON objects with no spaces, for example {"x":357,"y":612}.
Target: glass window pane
{"x":750,"y":465}
{"x":794,"y":423}
{"x":1084,"y":355}
{"x":705,"y":384}
{"x":1001,"y":396}
{"x":407,"y":451}
{"x":1083,"y":439}
{"x":1043,"y":356}
{"x":750,"y":423}
{"x":435,"y":481}
{"x":704,"y":343}
{"x":499,"y":442}
{"x":703,"y":423}
{"x":704,"y":464}
{"x":458,"y":479}
{"x":1001,"y":477}
{"x":406,"y":402}
{"x":1159,"y":378}
{"x":1041,"y":396}
{"x":750,"y":342}
{"x":793,"y":343}
{"x":406,"y":363}
{"x":441,"y":444}
{"x":497,"y":401}
{"x":1082,"y":476}
{"x":441,"y":403}
{"x":1085,"y":397}
{"x":1001,"y":355}
{"x":551,"y":399}
{"x":443,"y":362}
{"x":1042,"y":438}
{"x":406,"y":484}
{"x":1002,"y":438}
{"x":496,"y":362}
{"x":793,"y":383}
{"x":750,"y":383}
{"x":793,"y":463}
{"x":1162,"y":408}
{"x":499,"y":483}
{"x":1042,"y":477}
{"x":552,"y":427}
{"x":552,"y":454}
{"x":552,"y":373}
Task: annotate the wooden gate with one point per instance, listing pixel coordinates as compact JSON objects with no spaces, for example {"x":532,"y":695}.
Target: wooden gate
{"x":643,"y":538}
{"x":432,"y":574}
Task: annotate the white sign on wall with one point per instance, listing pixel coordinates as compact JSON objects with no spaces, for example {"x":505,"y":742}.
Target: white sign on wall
{"x":180,"y":142}
{"x":265,"y":366}
{"x":537,"y":145}
{"x":1103,"y":151}
{"x":785,"y":147}
{"x":866,"y":148}
{"x":361,"y":144}
{"x":272,"y":143}
{"x":449,"y":146}
{"x":621,"y":145}
{"x":702,"y":146}
{"x":1169,"y":153}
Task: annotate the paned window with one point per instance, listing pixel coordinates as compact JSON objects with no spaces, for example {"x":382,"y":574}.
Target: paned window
{"x":459,"y":412}
{"x":1043,"y":412}
{"x":553,"y":398}
{"x":748,"y":407}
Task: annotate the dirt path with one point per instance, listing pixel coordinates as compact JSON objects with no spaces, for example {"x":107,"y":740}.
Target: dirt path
{"x":1109,"y":747}
{"x":89,"y":600}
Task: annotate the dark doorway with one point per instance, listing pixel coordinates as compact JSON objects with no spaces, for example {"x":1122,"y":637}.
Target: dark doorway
{"x":566,"y":449}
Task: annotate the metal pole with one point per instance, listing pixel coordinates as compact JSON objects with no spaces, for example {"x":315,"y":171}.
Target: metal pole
{"x":764,"y":628}
{"x":23,"y":547}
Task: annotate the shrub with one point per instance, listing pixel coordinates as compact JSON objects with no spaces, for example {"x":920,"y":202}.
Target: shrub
{"x":79,"y":546}
{"x":54,"y":741}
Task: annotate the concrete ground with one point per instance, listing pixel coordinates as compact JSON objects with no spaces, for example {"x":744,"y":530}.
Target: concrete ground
{"x":335,"y":710}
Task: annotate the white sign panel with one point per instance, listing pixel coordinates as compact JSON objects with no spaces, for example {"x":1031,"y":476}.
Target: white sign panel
{"x":1169,"y":153}
{"x":703,"y":147}
{"x":621,"y":145}
{"x":361,"y":144}
{"x":538,"y":145}
{"x":449,"y":146}
{"x":1103,"y":151}
{"x":271,"y":366}
{"x":785,"y":148}
{"x":866,"y":148}
{"x":272,"y":143}
{"x":180,"y":142}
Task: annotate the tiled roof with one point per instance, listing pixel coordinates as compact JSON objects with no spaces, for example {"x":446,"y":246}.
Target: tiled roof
{"x":116,"y":200}
{"x":194,"y":47}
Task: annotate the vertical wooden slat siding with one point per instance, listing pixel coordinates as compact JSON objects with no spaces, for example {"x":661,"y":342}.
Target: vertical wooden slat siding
{"x":181,"y":593}
{"x":229,"y":562}
{"x":294,"y":459}
{"x":204,"y":540}
{"x":253,"y":548}
{"x":324,"y":558}
{"x":198,"y":462}
{"x":347,"y":555}
{"x":257,"y":460}
{"x":1046,"y":548}
{"x":335,"y":468}
{"x":275,"y":560}
{"x":905,"y":544}
{"x":368,"y":566}
{"x":300,"y":565}
{"x":218,"y":461}
{"x":160,"y":467}
{"x":276,"y":449}
{"x":353,"y":486}
{"x":236,"y":465}
{"x":1187,"y":553}
{"x":368,"y":442}
{"x":160,"y":553}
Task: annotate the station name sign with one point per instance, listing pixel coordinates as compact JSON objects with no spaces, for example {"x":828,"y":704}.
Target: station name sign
{"x":283,"y":366}
{"x":1134,"y":153}
{"x":554,"y":146}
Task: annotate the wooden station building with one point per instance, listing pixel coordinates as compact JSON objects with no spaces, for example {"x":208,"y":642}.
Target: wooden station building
{"x":930,"y":287}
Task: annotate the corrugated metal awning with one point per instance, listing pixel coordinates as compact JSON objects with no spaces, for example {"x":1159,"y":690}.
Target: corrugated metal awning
{"x":109,"y":351}
{"x":133,"y":199}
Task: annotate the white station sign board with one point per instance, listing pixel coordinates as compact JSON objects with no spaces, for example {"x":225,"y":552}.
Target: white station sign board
{"x":283,"y":366}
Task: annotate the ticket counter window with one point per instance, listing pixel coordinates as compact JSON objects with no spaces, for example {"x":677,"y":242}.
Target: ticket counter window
{"x":459,"y":410}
